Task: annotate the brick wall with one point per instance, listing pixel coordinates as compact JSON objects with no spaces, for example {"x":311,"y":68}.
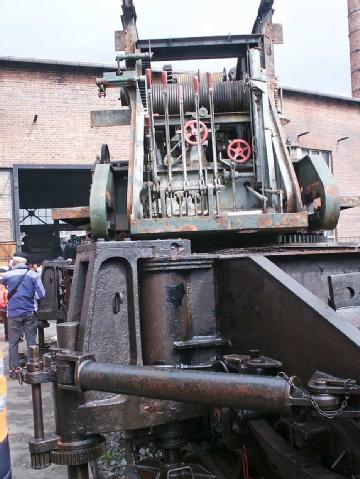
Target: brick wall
{"x":6,"y":230}
{"x":328,"y":120}
{"x":62,"y":99}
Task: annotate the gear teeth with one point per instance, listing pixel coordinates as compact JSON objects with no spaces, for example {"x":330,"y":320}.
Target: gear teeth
{"x":76,"y":457}
{"x":40,"y":460}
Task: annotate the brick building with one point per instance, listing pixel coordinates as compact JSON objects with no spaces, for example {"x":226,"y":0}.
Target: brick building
{"x":47,"y":144}
{"x":329,"y":125}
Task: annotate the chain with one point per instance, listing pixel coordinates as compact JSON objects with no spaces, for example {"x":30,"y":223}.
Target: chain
{"x":349,"y":386}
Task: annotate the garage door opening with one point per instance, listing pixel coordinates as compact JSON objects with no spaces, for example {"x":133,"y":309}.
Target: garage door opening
{"x":39,"y":189}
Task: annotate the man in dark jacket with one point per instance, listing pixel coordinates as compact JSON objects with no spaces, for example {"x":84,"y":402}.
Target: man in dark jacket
{"x":22,"y":284}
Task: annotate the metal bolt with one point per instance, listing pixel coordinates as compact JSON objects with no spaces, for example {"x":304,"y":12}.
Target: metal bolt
{"x":82,"y":429}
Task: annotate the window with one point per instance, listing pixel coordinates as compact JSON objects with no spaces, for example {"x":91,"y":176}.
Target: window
{"x":39,"y":216}
{"x":297,"y":154}
{"x":320,"y":153}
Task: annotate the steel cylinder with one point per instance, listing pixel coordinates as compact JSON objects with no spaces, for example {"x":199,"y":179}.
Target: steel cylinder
{"x":209,"y":388}
{"x":37,"y":411}
{"x":229,"y":96}
{"x":176,"y":305}
{"x":354,"y":38}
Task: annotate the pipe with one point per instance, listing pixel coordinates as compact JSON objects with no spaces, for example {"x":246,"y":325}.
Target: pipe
{"x":37,"y":411}
{"x":213,"y":138}
{"x":210,"y":388}
{"x":183,"y":146}
{"x":261,"y":197}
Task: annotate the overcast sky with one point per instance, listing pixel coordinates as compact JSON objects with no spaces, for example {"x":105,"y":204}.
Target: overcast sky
{"x":315,"y":55}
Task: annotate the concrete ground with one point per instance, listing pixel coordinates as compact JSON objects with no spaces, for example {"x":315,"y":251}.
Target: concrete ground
{"x":20,"y":423}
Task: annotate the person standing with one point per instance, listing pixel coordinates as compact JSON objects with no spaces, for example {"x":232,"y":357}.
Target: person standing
{"x":3,"y":304}
{"x":22,"y":284}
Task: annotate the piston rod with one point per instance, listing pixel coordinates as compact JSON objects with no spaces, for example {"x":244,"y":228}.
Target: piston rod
{"x":271,"y":394}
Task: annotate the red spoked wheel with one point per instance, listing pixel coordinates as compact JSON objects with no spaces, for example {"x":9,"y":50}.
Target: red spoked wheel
{"x":239,"y":150}
{"x":191,"y":132}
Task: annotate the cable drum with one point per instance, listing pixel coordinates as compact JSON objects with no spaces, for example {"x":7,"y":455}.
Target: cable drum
{"x":229,"y":96}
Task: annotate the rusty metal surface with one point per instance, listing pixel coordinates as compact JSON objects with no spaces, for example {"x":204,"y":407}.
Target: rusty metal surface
{"x":106,"y":118}
{"x":77,"y":216}
{"x":242,"y":222}
{"x":221,"y":389}
{"x":224,"y":46}
{"x":320,"y":193}
{"x":103,"y":272}
{"x":181,"y":296}
{"x":57,"y":278}
{"x":344,"y":290}
{"x":177,"y":347}
{"x":286,"y":460}
{"x":284,"y":320}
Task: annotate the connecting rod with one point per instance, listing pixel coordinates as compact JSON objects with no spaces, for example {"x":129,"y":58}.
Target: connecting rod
{"x":271,"y":394}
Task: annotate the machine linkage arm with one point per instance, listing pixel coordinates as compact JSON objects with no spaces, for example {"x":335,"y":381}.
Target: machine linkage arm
{"x":279,"y":395}
{"x":74,"y":374}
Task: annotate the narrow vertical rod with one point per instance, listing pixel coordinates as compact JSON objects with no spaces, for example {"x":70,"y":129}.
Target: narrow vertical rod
{"x":197,"y":114}
{"x":213,"y":138}
{"x":198,"y":138}
{"x":148,"y":75}
{"x":152,"y":143}
{"x":37,"y":411}
{"x":167,"y":124}
{"x":182,"y":126}
{"x":183,"y":148}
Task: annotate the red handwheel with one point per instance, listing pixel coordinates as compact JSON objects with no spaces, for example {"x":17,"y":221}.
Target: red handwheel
{"x":239,"y":150}
{"x":191,"y":132}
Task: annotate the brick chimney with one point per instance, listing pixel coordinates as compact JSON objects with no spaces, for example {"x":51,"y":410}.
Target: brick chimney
{"x":354,"y":37}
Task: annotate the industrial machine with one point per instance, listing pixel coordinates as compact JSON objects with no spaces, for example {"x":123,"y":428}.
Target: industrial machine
{"x":207,"y":320}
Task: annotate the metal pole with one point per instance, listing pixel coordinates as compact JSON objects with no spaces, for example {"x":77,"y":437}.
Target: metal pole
{"x":37,"y":411}
{"x":183,"y":147}
{"x":198,"y":138}
{"x":152,"y":142}
{"x":217,"y":389}
{"x":167,"y":124}
{"x":167,"y":137}
{"x":213,"y":138}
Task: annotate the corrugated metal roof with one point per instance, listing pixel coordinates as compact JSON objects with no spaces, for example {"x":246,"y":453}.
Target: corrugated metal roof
{"x":102,"y":66}
{"x":57,"y":63}
{"x":324,"y":96}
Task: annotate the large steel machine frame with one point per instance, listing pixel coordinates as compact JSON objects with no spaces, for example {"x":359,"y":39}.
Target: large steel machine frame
{"x":222,"y":352}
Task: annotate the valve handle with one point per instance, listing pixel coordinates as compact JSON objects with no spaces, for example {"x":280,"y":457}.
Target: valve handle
{"x":191,"y":132}
{"x":239,"y":150}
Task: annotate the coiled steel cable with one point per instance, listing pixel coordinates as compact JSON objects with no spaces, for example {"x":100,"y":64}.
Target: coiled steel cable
{"x":229,"y":96}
